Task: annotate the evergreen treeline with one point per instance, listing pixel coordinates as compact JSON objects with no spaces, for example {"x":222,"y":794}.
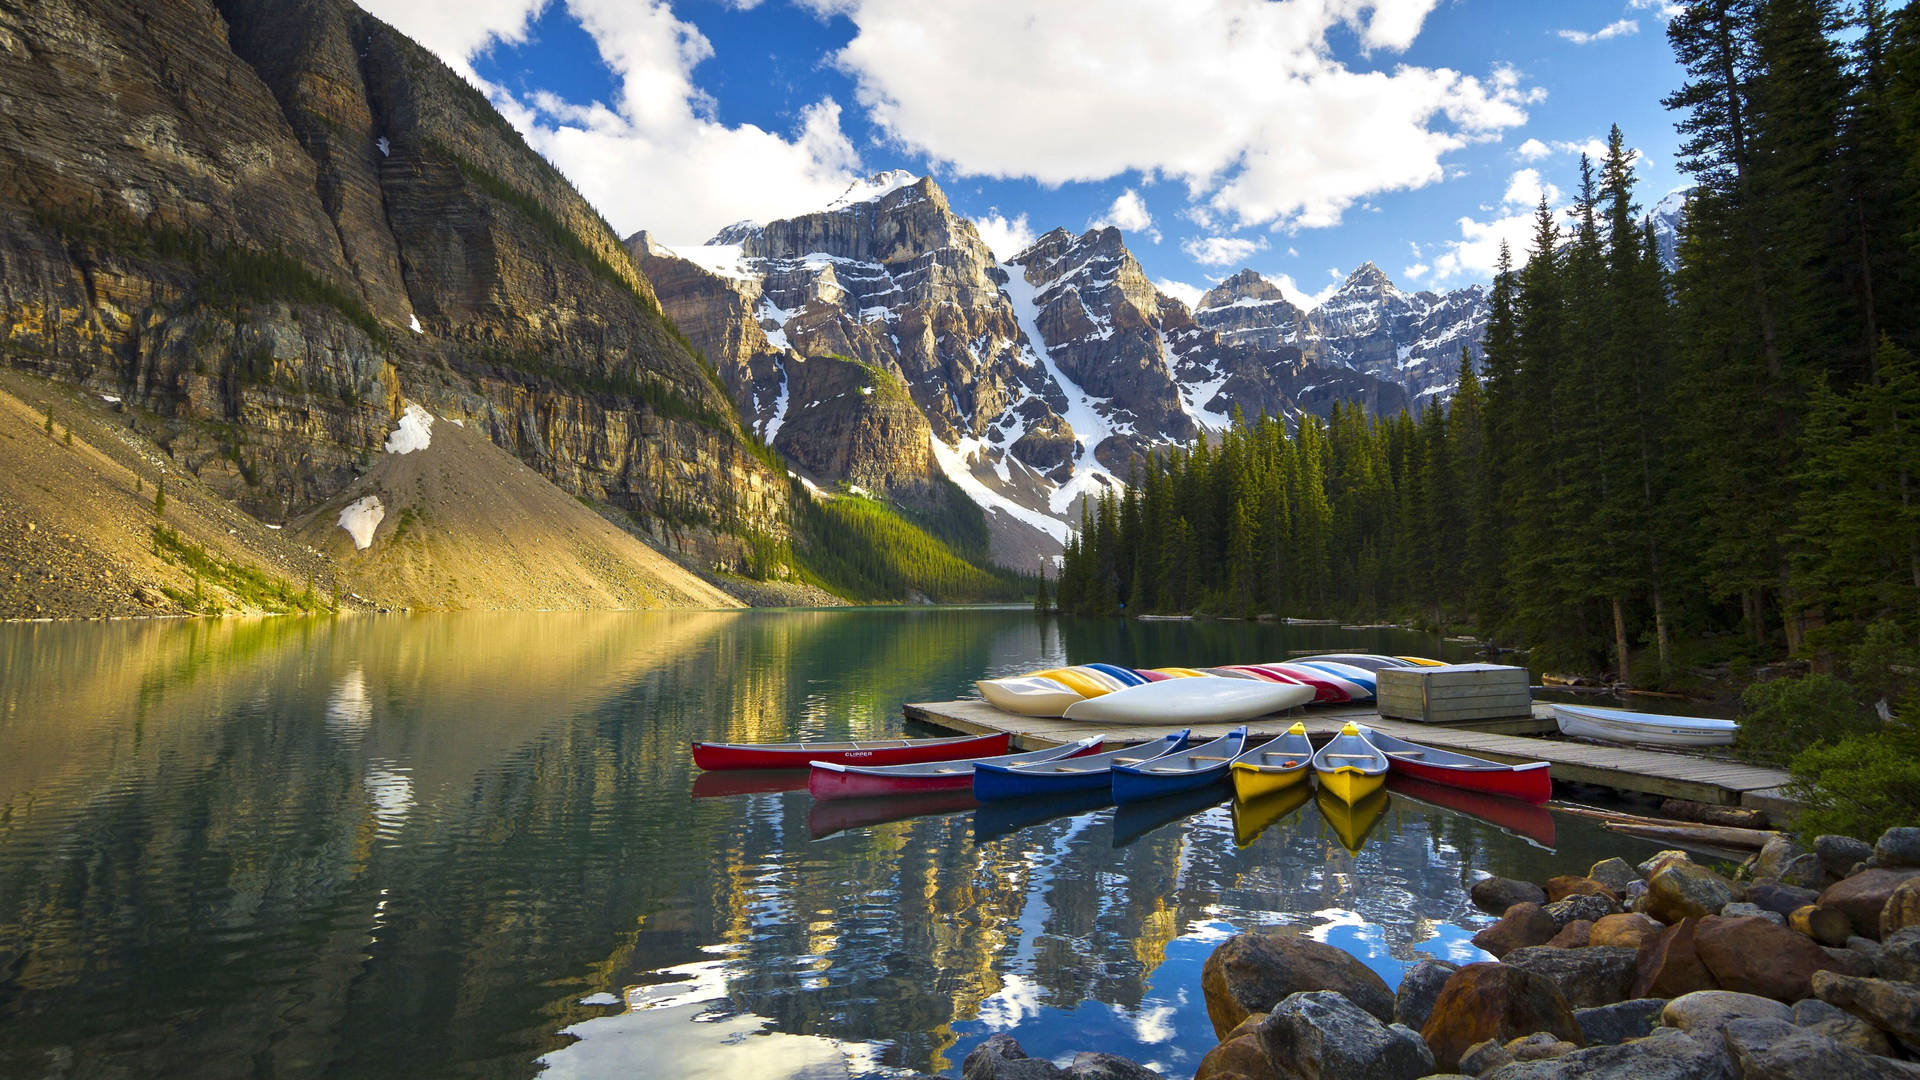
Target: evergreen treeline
{"x":1732,"y":450}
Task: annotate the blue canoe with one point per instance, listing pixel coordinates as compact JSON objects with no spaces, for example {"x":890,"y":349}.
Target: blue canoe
{"x":1182,"y":770}
{"x":1067,"y":774}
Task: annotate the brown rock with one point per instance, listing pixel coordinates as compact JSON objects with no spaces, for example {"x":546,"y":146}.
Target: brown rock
{"x":1485,"y":1056}
{"x":1841,"y":1026}
{"x":1497,"y":894}
{"x":1494,"y":1001}
{"x":1681,"y":890}
{"x":1901,"y":910}
{"x":1251,"y":973}
{"x":1828,"y":926}
{"x":1521,"y":926}
{"x":1893,"y":1007}
{"x":1756,"y":956}
{"x":1587,"y":978}
{"x":1539,"y":1046}
{"x":1574,"y":935}
{"x":1711,"y":1010}
{"x":1241,"y":1056}
{"x":1851,"y":962}
{"x":1667,"y":965}
{"x":1864,"y":896}
{"x":1565,"y":885}
{"x":1625,"y":930}
{"x":1780,"y":899}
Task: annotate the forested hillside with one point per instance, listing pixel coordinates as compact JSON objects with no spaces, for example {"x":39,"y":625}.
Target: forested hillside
{"x":1725,"y":452}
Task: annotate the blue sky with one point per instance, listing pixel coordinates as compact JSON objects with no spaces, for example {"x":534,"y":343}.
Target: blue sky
{"x":1299,"y":138}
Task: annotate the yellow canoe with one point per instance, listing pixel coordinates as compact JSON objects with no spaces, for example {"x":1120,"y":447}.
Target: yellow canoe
{"x":1349,"y":767}
{"x":1422,"y":661}
{"x":1277,"y":765}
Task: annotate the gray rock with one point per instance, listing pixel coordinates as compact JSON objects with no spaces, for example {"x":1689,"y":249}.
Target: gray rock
{"x":1539,"y":1046}
{"x":1413,"y":1002}
{"x":1485,"y":1056}
{"x":1736,"y":910}
{"x":1898,"y":846}
{"x":1840,"y":1025}
{"x":1681,"y":889}
{"x":1774,"y":857}
{"x":1000,"y":1058}
{"x":1869,"y":948}
{"x":1667,"y":1054}
{"x":1251,"y":973}
{"x":1893,"y":1007}
{"x":1091,"y":1065}
{"x":1710,"y":1010}
{"x":1620,"y":1021}
{"x":1320,"y":1034}
{"x":1662,"y":858}
{"x":1806,"y":872}
{"x":1777,"y":1050}
{"x":1898,"y":957}
{"x":1587,"y":906}
{"x":1635,"y":896}
{"x":1495,"y":895}
{"x":1838,"y":854}
{"x":1589,"y":977}
{"x":1615,"y":874}
{"x":1780,"y":899}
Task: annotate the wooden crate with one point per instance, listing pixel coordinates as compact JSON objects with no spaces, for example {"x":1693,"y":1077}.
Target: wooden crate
{"x":1454,"y":693}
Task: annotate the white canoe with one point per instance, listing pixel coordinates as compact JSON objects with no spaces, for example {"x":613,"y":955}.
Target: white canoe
{"x":1621,"y":726}
{"x":1204,"y":700}
{"x":1029,"y":695}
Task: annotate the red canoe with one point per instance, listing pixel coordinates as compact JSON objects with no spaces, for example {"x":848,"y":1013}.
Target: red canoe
{"x":715,"y":756}
{"x":832,"y":780}
{"x":1528,"y":782}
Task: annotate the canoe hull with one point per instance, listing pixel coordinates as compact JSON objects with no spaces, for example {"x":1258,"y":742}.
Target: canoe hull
{"x":861,"y":781}
{"x":1190,"y":701}
{"x":1091,"y":773}
{"x":1528,"y":783}
{"x":1279,"y":765}
{"x":1351,"y":785}
{"x":1143,"y":782}
{"x":1028,"y":695}
{"x":718,"y":756}
{"x":1618,"y":725}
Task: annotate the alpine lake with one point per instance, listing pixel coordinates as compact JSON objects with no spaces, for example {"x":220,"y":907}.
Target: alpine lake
{"x":474,"y":845}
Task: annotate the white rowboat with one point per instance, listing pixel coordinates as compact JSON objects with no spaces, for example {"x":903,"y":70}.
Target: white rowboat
{"x":1621,"y":726}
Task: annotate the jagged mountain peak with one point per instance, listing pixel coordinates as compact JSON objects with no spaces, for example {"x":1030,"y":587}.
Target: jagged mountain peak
{"x":1368,"y":275}
{"x":1246,"y":287}
{"x":877,"y":186}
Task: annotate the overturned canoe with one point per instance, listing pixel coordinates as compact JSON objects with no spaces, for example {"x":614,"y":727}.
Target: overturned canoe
{"x":1190,"y":701}
{"x":1621,"y":726}
{"x":834,"y":780}
{"x":716,"y":756}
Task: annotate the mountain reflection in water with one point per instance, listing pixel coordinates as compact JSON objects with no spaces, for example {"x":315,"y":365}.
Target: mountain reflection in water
{"x":474,"y":845}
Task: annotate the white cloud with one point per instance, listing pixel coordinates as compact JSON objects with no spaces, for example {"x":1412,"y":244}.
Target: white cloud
{"x":1221,"y":250}
{"x":1005,"y":238}
{"x":1533,"y":150}
{"x":1086,"y":92}
{"x":1525,"y":189}
{"x":653,"y":158}
{"x":1416,"y":271}
{"x":1128,"y":213}
{"x":1664,"y":10}
{"x":1187,"y":294}
{"x":1618,"y":28}
{"x":1301,"y":298}
{"x":1477,"y":252}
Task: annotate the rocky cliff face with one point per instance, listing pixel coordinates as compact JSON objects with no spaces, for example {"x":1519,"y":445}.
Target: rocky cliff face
{"x":268,"y":222}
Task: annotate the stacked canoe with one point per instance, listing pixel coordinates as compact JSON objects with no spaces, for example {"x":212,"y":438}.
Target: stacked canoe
{"x":1111,"y":694}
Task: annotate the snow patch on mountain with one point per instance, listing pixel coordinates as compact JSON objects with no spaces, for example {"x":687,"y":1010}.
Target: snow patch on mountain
{"x":1090,"y":425}
{"x":953,"y":463}
{"x":877,"y":186}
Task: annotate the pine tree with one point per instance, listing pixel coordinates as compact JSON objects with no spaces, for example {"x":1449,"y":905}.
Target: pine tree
{"x":160,"y":498}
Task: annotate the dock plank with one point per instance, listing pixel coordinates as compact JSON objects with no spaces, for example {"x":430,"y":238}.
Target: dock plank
{"x":1656,"y":772}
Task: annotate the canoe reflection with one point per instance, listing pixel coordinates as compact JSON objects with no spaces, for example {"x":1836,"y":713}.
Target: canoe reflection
{"x":830,"y":816}
{"x":714,"y":785}
{"x":1351,"y":821}
{"x":1531,"y":823}
{"x":1003,"y":817}
{"x":1133,"y":820}
{"x":1253,"y":817}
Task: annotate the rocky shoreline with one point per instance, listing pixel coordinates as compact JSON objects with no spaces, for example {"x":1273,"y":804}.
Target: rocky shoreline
{"x":1801,"y":964}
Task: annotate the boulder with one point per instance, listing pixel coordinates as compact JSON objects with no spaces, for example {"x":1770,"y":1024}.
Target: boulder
{"x":1575,"y":935}
{"x":1662,"y":858}
{"x":1864,"y":896}
{"x":1523,"y":925}
{"x":1667,"y":965}
{"x":1413,"y":1002}
{"x":1620,"y":1021}
{"x":1615,"y":874}
{"x":1902,"y":908}
{"x":1681,"y":890}
{"x":1624,"y":930}
{"x":1840,"y":1025}
{"x":1635,"y":896}
{"x":1899,"y":956}
{"x":1565,"y":885}
{"x":1587,"y":907}
{"x":1667,"y":1054}
{"x":1805,"y":872}
{"x":1826,"y":925}
{"x":1539,"y":1046}
{"x":1893,"y":1007}
{"x":1495,"y":1001}
{"x":1711,"y":1010}
{"x":1780,"y":899}
{"x":1777,"y":1050}
{"x":1849,"y":962}
{"x":1251,"y":973}
{"x":1898,"y":847}
{"x":1774,"y":856}
{"x":1496,"y":894}
{"x":1745,"y":910}
{"x":1585,"y":977}
{"x":1873,"y":950}
{"x":1239,"y":1055}
{"x":1093,"y":1065}
{"x":1839,"y":853}
{"x":1000,"y":1058}
{"x":1320,"y":1035}
{"x":1754,"y":956}
{"x":1485,"y":1056}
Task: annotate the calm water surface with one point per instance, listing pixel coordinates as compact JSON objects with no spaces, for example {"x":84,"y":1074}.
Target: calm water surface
{"x":474,"y":845}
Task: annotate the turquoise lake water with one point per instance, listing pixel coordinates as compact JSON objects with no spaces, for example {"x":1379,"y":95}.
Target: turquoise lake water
{"x":475,"y":846}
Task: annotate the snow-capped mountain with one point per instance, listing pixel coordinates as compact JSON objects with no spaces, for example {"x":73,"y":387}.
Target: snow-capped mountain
{"x":1033,"y":382}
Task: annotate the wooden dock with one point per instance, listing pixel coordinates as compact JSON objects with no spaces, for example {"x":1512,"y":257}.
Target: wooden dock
{"x":1653,"y":772}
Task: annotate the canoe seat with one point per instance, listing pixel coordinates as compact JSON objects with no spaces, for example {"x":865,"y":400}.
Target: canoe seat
{"x":1209,"y":757}
{"x":1406,"y":753}
{"x":1352,"y":757}
{"x":1130,"y":760}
